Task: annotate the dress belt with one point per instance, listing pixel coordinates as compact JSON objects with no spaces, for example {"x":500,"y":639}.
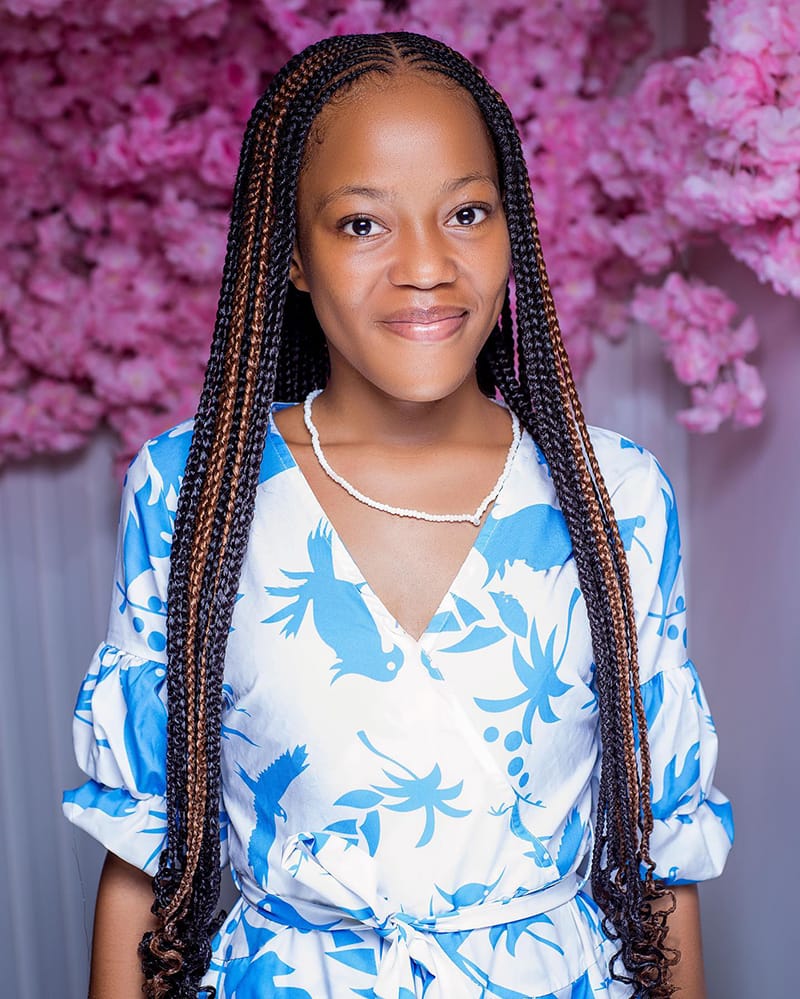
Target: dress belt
{"x":343,"y":879}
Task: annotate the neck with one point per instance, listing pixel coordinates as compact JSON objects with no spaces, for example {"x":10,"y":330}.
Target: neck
{"x":366,"y":414}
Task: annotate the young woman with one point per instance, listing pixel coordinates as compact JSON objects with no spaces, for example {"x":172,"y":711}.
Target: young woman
{"x":423,"y":679}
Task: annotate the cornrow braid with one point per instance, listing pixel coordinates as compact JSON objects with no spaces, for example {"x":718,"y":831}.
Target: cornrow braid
{"x":268,"y":344}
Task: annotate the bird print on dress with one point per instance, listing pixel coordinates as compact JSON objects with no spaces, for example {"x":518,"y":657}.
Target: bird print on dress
{"x":668,"y":572}
{"x":537,"y":852}
{"x":536,"y":535}
{"x":353,"y":634}
{"x":145,"y":730}
{"x":268,"y":789}
{"x":677,"y":785}
{"x":469,"y":894}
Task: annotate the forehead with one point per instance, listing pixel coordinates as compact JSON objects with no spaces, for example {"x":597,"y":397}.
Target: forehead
{"x":411,"y":125}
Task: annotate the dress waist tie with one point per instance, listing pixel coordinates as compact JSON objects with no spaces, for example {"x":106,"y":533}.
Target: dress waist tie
{"x":343,"y":879}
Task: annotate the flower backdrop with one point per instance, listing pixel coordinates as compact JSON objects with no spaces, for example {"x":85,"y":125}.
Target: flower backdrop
{"x":119,"y":132}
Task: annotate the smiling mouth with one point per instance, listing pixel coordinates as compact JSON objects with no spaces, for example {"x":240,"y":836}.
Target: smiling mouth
{"x":427,"y":326}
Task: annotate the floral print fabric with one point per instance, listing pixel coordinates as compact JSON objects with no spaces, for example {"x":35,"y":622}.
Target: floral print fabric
{"x":404,"y":817}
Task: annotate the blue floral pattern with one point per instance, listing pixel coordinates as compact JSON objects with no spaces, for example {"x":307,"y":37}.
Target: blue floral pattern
{"x":404,"y":818}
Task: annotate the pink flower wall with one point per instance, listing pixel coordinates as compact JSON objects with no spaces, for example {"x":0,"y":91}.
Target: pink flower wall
{"x":119,"y":132}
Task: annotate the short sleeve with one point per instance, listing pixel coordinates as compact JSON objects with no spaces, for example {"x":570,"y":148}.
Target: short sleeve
{"x":693,"y":822}
{"x":120,"y":718}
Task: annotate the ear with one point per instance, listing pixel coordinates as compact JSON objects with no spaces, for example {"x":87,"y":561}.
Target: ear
{"x":296,"y":270}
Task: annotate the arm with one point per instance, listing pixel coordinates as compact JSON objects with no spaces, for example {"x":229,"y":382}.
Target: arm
{"x":122,"y":916}
{"x":684,"y":935}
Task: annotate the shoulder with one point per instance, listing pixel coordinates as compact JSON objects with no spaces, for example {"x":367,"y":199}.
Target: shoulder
{"x":161,"y":461}
{"x":629,"y":470}
{"x":643,"y":500}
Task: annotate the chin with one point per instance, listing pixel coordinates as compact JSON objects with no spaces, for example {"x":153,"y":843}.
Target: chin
{"x":425,"y":387}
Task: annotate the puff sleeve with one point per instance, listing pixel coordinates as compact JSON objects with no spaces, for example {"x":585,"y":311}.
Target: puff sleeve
{"x":693,"y":823}
{"x":120,"y":718}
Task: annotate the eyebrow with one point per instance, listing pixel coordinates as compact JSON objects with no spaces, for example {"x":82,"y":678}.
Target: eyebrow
{"x":376,"y":193}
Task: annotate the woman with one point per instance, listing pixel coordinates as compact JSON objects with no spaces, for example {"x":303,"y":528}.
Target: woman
{"x":406,"y":624}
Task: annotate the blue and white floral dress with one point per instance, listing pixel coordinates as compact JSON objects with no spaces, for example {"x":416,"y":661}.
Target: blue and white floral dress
{"x":404,"y":817}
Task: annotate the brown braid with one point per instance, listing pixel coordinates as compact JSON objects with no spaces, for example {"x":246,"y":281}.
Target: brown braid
{"x":268,"y":344}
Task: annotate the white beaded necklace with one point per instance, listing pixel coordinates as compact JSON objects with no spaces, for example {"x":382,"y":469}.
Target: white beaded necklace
{"x":453,"y":518}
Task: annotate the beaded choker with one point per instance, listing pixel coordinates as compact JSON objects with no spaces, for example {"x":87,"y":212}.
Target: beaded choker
{"x":453,"y":518}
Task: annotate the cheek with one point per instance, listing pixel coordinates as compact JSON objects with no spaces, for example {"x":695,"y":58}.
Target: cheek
{"x":493,"y":259}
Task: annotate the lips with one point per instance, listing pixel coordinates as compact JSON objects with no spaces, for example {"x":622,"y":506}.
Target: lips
{"x":427,"y":325}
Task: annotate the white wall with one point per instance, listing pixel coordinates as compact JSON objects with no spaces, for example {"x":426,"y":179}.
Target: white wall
{"x":744,"y":510}
{"x":57,"y":528}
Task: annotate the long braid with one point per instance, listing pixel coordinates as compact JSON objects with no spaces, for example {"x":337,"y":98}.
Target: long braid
{"x":218,"y":495}
{"x":268,"y":344}
{"x":551,"y":411}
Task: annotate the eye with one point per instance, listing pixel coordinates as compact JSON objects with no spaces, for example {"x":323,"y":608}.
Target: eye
{"x":361,"y":227}
{"x":470,"y":215}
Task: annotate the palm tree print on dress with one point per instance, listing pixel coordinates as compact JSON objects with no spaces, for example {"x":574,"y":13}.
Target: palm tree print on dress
{"x":354,"y":636}
{"x":408,"y":794}
{"x":539,"y":677}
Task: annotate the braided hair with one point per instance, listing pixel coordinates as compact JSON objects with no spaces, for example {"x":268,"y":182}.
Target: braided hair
{"x":268,"y":345}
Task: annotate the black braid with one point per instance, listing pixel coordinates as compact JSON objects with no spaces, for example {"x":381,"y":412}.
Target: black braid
{"x":617,"y":856}
{"x":268,"y":345}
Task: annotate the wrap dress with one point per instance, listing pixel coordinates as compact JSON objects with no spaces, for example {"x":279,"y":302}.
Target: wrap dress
{"x":402,"y":817}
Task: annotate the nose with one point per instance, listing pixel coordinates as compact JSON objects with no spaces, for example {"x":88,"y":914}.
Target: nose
{"x":423,"y":258}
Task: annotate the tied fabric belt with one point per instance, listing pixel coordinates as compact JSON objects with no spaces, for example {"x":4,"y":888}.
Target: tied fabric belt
{"x":343,"y":880}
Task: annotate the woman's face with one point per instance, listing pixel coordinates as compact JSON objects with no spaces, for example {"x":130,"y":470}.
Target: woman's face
{"x":402,"y":239}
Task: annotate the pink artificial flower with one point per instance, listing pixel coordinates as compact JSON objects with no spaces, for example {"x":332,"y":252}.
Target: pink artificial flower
{"x":194,"y":242}
{"x":128,"y":117}
{"x":220,"y":158}
{"x":153,"y":105}
{"x":11,"y":298}
{"x":772,"y":251}
{"x":14,"y":375}
{"x":646,"y":238}
{"x":86,"y":211}
{"x":579,"y":341}
{"x":12,"y":424}
{"x":122,"y":382}
{"x":358,"y":17}
{"x":742,"y":340}
{"x":709,"y":409}
{"x":115,"y":261}
{"x":208,"y":23}
{"x":55,"y":286}
{"x":21,"y":153}
{"x":693,"y":320}
{"x":778,"y":135}
{"x":749,"y":406}
{"x":44,"y":339}
{"x":740,"y":26}
{"x":695,"y":356}
{"x":115,"y":158}
{"x":56,"y":416}
{"x":725,"y":86}
{"x":744,"y":197}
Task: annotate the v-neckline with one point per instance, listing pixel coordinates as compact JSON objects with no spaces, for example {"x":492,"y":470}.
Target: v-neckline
{"x":363,"y":585}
